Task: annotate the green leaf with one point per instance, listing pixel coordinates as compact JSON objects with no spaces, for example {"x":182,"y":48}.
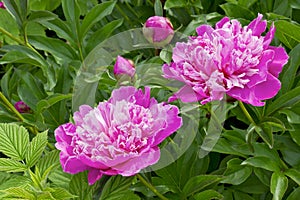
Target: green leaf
{"x":80,"y":187}
{"x":251,"y":186}
{"x":286,"y":100}
{"x":158,"y":10}
{"x":295,"y":194}
{"x":15,"y":181}
{"x":8,"y":23}
{"x":103,"y":33}
{"x":279,"y":184}
{"x":264,"y":130}
{"x":44,"y":4}
{"x":208,"y":195}
{"x":10,"y":165}
{"x":174,"y":3}
{"x":61,"y":29}
{"x":48,"y":160}
{"x":198,"y":183}
{"x":59,"y":49}
{"x":288,"y":33}
{"x":18,"y":193}
{"x":41,"y":15}
{"x":14,"y":141}
{"x":236,"y":11}
{"x":60,"y":193}
{"x":36,"y":148}
{"x":30,"y":89}
{"x":50,"y":101}
{"x":288,"y":75}
{"x":236,"y":173}
{"x":14,"y":10}
{"x":262,"y":162}
{"x":62,"y":179}
{"x":96,"y":14}
{"x":247,"y":3}
{"x":116,"y":186}
{"x":263,"y":175}
{"x":72,"y":13}
{"x":293,"y":174}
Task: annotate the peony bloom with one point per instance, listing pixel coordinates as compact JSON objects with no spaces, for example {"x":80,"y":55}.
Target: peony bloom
{"x":2,"y":5}
{"x":120,"y":136}
{"x":229,"y":59}
{"x":124,"y":67}
{"x":158,"y":30}
{"x":22,"y":107}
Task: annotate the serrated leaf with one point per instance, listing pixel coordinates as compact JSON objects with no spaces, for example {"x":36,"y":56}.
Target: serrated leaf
{"x":20,"y":193}
{"x":262,"y":162}
{"x":279,"y":184}
{"x":61,"y":193}
{"x":15,"y":181}
{"x":9,"y":165}
{"x":198,"y":183}
{"x":114,"y":186}
{"x":36,"y":148}
{"x":207,"y":195}
{"x":14,"y":140}
{"x":48,"y":160}
{"x":62,"y":179}
{"x":96,"y":14}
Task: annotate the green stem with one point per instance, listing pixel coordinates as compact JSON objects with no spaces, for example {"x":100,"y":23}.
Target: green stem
{"x":245,"y":111}
{"x":11,"y":107}
{"x":11,"y":36}
{"x":151,"y":187}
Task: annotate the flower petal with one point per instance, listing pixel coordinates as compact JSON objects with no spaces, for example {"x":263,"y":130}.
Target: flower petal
{"x":279,"y":60}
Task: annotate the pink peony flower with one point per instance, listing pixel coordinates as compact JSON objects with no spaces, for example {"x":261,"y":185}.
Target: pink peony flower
{"x":120,"y":136}
{"x":2,"y":5}
{"x":229,"y":59}
{"x":22,"y":107}
{"x":158,"y":30}
{"x":124,"y":67}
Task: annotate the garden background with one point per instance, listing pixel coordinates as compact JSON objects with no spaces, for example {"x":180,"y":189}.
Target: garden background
{"x":51,"y":59}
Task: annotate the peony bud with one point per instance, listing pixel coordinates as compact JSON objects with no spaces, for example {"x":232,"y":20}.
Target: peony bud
{"x":124,"y":67}
{"x":158,"y":30}
{"x":21,"y":107}
{"x":2,"y":5}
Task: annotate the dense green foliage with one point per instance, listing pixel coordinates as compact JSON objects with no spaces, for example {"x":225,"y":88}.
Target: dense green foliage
{"x":44,"y":44}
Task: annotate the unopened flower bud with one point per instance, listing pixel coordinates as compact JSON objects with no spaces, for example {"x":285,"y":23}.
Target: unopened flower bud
{"x":124,"y":67}
{"x":158,"y":30}
{"x":22,"y":107}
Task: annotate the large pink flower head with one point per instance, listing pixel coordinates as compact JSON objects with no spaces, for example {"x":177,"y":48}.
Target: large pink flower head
{"x":120,"y":136}
{"x":228,"y":59}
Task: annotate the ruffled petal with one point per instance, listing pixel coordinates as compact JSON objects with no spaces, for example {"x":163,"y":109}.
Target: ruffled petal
{"x":279,"y":60}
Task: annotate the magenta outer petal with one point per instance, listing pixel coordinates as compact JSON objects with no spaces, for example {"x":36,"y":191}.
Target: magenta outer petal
{"x":123,"y":93}
{"x":134,"y":165}
{"x":246,"y":95}
{"x":267,"y":89}
{"x":94,"y":175}
{"x":257,"y":26}
{"x":269,"y":36}
{"x":185,"y":94}
{"x":279,"y":60}
{"x":71,"y":164}
{"x":267,"y":57}
{"x":201,"y":30}
{"x":221,"y":23}
{"x":174,"y":122}
{"x":89,"y":162}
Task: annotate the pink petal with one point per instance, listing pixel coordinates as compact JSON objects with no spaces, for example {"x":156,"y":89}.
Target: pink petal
{"x":71,"y":164}
{"x":201,"y":30}
{"x":94,"y":175}
{"x":173,"y":121}
{"x":185,"y":94}
{"x":267,"y":89}
{"x":134,"y":165}
{"x":269,"y":36}
{"x":279,"y":60}
{"x":92,"y":163}
{"x":79,"y":115}
{"x":245,"y":95}
{"x":221,"y":23}
{"x":257,"y":26}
